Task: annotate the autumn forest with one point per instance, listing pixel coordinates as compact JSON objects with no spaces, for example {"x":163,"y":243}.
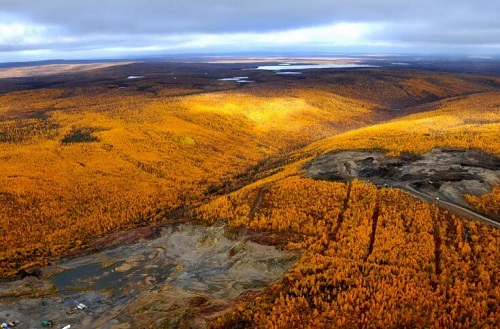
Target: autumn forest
{"x":85,"y":155}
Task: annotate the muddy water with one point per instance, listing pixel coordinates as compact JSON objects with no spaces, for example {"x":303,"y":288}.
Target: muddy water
{"x":195,"y":261}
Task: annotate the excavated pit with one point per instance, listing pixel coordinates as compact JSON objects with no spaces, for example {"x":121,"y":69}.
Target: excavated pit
{"x":189,"y":269}
{"x":439,"y":173}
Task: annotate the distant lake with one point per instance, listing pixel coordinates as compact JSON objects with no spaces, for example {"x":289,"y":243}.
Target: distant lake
{"x":135,"y":77}
{"x":236,"y":79}
{"x":311,"y":66}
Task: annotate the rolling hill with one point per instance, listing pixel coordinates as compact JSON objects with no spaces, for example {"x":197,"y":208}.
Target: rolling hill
{"x":87,"y":154}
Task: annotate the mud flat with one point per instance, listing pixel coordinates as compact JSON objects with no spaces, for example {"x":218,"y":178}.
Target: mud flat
{"x":183,"y":277}
{"x":441,"y":174}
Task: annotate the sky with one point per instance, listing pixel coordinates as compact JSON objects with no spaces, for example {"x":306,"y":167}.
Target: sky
{"x":89,"y":29}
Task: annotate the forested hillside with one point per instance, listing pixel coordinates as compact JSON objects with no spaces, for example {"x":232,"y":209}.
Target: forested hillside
{"x":81,"y":161}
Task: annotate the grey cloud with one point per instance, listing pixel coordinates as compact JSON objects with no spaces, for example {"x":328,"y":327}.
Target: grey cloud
{"x":106,"y":23}
{"x":214,"y":16}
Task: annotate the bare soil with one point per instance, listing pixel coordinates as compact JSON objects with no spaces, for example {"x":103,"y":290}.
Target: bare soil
{"x":443,"y":174}
{"x":184,"y":277}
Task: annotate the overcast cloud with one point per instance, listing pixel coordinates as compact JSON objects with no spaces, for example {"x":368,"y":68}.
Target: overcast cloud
{"x":43,"y":29}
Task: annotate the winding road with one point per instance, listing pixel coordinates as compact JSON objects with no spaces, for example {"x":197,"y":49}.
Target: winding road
{"x":447,"y":205}
{"x":452,"y":167}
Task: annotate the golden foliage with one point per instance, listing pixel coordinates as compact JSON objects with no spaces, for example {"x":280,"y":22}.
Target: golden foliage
{"x":469,"y":123}
{"x":81,"y":163}
{"x":78,"y":164}
{"x":488,"y":204}
{"x":369,"y":257}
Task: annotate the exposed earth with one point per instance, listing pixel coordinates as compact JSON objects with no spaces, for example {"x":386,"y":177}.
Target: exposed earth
{"x":184,"y":277}
{"x":445,"y":175}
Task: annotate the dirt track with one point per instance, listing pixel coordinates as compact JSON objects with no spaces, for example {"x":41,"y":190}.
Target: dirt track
{"x":440,"y":176}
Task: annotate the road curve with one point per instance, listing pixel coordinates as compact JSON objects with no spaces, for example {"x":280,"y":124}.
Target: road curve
{"x":450,"y":206}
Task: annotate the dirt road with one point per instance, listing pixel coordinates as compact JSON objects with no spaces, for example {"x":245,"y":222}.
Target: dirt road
{"x":439,"y":176}
{"x":448,"y":205}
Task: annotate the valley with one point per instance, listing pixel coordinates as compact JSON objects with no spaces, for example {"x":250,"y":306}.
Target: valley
{"x":308,"y":182}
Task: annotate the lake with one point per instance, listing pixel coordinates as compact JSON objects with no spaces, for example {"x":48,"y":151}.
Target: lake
{"x":311,"y":66}
{"x":236,"y":79}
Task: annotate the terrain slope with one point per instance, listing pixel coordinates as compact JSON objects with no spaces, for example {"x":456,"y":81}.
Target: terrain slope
{"x":87,"y":154}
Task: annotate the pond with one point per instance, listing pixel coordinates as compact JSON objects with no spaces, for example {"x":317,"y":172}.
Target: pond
{"x":311,"y":66}
{"x":236,"y":79}
{"x":185,"y":260}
